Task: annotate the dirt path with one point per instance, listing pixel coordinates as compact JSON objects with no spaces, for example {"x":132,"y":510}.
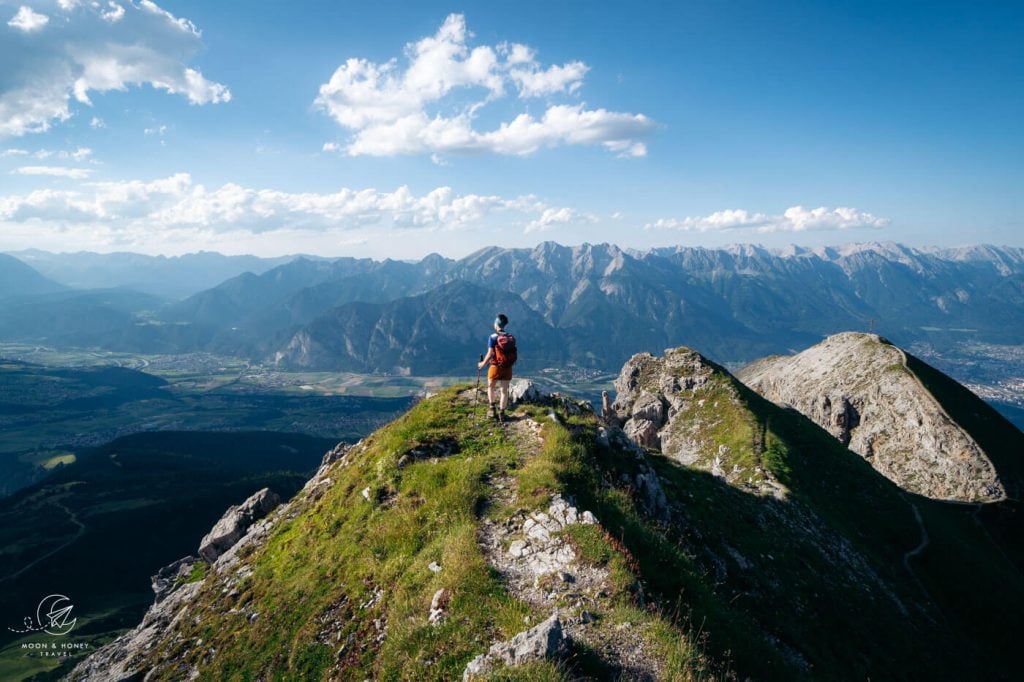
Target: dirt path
{"x":541,"y":568}
{"x":78,"y":534}
{"x":921,"y":546}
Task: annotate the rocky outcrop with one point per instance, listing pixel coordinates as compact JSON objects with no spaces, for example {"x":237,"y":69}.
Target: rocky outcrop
{"x":860,"y":389}
{"x":172,"y":576}
{"x":124,"y":658}
{"x":235,"y":522}
{"x":649,"y":391}
{"x":684,"y":405}
{"x":523,"y":391}
{"x":541,"y":550}
{"x":545,"y":640}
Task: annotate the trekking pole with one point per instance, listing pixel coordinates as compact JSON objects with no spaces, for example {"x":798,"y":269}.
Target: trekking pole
{"x":477,"y":392}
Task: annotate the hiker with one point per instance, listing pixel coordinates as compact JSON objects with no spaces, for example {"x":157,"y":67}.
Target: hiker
{"x":501,"y":353}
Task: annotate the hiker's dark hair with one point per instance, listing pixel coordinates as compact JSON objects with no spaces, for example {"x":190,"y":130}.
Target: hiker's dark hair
{"x":502,"y":320}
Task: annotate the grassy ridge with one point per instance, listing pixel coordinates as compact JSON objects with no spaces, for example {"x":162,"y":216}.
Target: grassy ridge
{"x":818,"y":585}
{"x":343,"y":563}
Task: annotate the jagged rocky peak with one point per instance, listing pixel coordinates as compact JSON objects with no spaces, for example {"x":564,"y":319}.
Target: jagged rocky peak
{"x":693,"y":411}
{"x":860,"y":389}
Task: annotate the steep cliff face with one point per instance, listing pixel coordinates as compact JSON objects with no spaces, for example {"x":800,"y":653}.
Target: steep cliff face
{"x":445,"y":546}
{"x":861,"y":389}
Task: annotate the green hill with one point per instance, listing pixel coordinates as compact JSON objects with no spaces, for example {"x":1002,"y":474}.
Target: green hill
{"x":443,"y":533}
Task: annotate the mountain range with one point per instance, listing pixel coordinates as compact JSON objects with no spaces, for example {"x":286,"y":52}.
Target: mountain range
{"x":169,"y":277}
{"x":591,"y":305}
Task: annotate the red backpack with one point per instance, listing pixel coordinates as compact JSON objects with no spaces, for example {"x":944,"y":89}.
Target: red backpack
{"x":505,"y":350}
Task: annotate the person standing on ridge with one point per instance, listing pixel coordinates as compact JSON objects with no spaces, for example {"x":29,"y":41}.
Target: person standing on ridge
{"x":501,"y":353}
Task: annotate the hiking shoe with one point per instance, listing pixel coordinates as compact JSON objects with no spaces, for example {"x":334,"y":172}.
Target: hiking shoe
{"x":494,"y":411}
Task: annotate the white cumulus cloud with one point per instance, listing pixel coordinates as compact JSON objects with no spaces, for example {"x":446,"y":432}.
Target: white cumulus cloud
{"x":551,"y":218}
{"x":140,"y":208}
{"x":793,"y":219}
{"x":113,"y":14}
{"x":431,"y":105}
{"x":94,"y":48}
{"x":26,"y":20}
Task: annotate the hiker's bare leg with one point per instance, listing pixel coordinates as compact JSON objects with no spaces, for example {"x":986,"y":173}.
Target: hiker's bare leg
{"x":490,"y":391}
{"x":503,"y":390}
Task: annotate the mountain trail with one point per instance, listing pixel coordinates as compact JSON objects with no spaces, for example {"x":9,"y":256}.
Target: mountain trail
{"x":74,"y":519}
{"x":917,"y":551}
{"x":922,"y":545}
{"x":540,"y":563}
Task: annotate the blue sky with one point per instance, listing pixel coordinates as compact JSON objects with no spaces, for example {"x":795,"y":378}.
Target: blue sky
{"x":397,"y":129}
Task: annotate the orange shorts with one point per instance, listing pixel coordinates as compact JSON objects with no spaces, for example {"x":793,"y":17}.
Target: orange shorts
{"x":496,"y":373}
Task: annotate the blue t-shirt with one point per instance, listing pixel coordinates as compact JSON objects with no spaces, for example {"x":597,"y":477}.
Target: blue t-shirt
{"x":492,"y":340}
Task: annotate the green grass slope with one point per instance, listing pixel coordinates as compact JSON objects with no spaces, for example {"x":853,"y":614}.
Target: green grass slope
{"x":830,"y":582}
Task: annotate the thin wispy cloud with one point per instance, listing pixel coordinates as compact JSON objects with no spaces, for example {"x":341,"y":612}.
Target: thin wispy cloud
{"x":396,"y":108}
{"x":54,"y":65}
{"x":54,"y":171}
{"x":78,"y":154}
{"x":793,"y":219}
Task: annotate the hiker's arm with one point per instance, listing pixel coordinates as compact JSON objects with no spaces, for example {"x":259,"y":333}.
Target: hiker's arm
{"x":487,"y":358}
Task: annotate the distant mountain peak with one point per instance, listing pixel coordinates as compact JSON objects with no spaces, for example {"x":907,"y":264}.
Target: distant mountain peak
{"x":20,"y":279}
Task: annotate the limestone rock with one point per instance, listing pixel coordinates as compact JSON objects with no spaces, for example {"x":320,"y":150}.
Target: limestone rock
{"x":644,"y":432}
{"x":171,"y":576}
{"x":541,"y":551}
{"x":650,"y":407}
{"x":543,"y":641}
{"x":336,"y":454}
{"x":860,"y":389}
{"x":680,"y":404}
{"x":607,"y":412}
{"x":123,"y":658}
{"x":439,"y":606}
{"x":647,"y":391}
{"x":523,"y":391}
{"x":235,"y":522}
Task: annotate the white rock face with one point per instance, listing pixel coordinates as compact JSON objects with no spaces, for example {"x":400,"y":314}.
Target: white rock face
{"x":235,"y":522}
{"x":859,"y":389}
{"x":523,"y":391}
{"x":681,"y":404}
{"x":545,"y":640}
